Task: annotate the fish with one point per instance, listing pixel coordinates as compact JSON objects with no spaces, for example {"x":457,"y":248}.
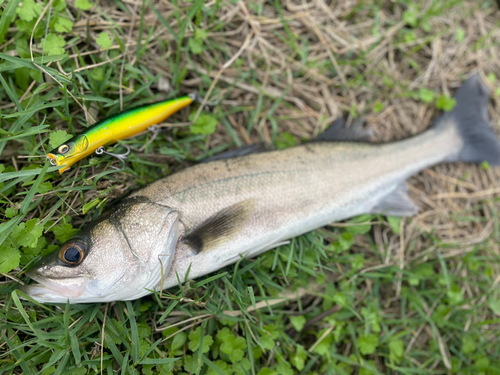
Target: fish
{"x":210,"y":215}
{"x":123,"y":125}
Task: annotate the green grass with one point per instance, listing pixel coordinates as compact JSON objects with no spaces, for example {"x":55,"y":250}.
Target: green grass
{"x":339,"y":300}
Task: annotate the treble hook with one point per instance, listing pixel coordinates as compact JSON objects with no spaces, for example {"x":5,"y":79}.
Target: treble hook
{"x":102,"y":150}
{"x":197,"y":97}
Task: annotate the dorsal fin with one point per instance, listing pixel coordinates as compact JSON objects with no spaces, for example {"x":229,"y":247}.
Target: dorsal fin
{"x":220,"y":227}
{"x":339,"y":132}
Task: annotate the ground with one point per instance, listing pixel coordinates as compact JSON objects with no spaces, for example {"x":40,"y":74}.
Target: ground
{"x":372,"y":295}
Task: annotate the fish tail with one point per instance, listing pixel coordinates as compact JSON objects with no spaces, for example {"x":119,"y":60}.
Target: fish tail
{"x":470,"y":117}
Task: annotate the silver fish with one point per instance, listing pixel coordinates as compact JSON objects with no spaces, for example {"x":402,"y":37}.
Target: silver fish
{"x":210,"y":215}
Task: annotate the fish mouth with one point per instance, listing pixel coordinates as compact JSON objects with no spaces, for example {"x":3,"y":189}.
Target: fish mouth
{"x":55,"y":290}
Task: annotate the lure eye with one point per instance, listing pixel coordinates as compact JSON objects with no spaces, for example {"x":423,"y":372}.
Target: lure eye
{"x":72,"y":253}
{"x":63,"y":149}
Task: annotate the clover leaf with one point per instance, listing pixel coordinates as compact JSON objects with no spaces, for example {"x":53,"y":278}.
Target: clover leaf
{"x":298,"y":322}
{"x":445,"y":103}
{"x":104,"y":41}
{"x":205,"y":123}
{"x":368,"y":343}
{"x":63,"y":25}
{"x":9,"y":258}
{"x":234,"y":346}
{"x":53,"y":44}
{"x":299,"y":358}
{"x":83,"y":4}
{"x":29,"y":10}
{"x":190,"y":364}
{"x":58,"y":138}
{"x":27,"y":234}
{"x":10,"y":212}
{"x":426,"y":95}
{"x":64,"y":232}
{"x":396,"y":350}
{"x":195,"y":338}
{"x":195,"y":45}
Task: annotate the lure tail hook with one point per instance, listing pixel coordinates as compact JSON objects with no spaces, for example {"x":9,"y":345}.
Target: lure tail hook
{"x":121,"y":157}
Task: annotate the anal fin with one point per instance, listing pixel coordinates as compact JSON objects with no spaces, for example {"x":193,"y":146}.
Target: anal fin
{"x":220,"y":227}
{"x":396,"y":203}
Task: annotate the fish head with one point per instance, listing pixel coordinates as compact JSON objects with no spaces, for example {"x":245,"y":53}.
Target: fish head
{"x":123,"y":256}
{"x":69,"y":153}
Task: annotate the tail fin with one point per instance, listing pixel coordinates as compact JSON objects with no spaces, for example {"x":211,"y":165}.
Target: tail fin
{"x":470,"y":116}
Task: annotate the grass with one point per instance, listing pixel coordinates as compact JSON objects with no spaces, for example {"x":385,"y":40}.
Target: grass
{"x":372,"y":295}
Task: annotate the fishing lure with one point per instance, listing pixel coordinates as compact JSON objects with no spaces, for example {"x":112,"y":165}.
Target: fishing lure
{"x":120,"y":126}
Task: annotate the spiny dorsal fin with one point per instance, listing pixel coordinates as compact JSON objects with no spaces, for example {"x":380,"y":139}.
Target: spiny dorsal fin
{"x":220,"y":227}
{"x":396,"y":203}
{"x":339,"y":132}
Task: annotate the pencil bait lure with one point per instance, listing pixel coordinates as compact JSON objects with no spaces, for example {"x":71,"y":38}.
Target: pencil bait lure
{"x":120,"y":126}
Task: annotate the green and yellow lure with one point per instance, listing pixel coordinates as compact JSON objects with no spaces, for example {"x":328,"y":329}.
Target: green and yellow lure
{"x":120,"y":126}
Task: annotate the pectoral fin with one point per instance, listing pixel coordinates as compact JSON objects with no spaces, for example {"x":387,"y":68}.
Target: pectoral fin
{"x":396,"y":203}
{"x":219,"y":227}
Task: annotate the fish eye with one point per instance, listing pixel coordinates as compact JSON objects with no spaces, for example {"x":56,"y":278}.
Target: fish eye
{"x":72,"y":253}
{"x":63,"y":149}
